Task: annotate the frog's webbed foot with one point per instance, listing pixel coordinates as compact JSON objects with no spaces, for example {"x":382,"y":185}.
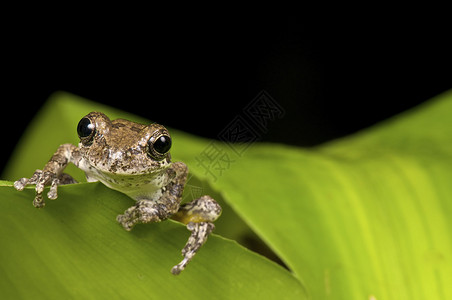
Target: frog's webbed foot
{"x":198,"y":215}
{"x":41,"y":179}
{"x":144,"y":211}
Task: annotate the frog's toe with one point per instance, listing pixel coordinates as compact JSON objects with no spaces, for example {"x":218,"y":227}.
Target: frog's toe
{"x":21,"y":184}
{"x":125,"y":221}
{"x":38,"y":202}
{"x":180,"y":267}
{"x":53,"y":193}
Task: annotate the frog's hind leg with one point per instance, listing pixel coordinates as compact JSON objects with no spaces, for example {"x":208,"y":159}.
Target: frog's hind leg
{"x":198,"y":215}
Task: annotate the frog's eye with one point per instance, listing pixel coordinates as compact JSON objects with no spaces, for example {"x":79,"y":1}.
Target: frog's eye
{"x":85,"y":130}
{"x":162,"y":144}
{"x":159,"y":146}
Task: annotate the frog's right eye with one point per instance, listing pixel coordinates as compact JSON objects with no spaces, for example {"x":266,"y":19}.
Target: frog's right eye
{"x":86,"y":130}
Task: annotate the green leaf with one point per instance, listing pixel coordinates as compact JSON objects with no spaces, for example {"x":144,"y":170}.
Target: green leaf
{"x":363,"y":217}
{"x":74,"y":248}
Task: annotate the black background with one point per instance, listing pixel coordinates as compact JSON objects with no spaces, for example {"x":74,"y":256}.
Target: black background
{"x":198,"y":74}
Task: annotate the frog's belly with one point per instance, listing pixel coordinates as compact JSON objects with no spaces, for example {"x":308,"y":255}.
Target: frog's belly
{"x":142,"y":186}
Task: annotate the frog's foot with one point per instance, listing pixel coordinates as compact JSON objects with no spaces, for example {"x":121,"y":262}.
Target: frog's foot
{"x":41,"y":179}
{"x":199,"y":233}
{"x":144,"y":211}
{"x":198,"y":215}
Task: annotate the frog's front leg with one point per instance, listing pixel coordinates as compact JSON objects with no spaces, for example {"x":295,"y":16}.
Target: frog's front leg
{"x":156,"y":210}
{"x":144,"y":211}
{"x":52,"y":174}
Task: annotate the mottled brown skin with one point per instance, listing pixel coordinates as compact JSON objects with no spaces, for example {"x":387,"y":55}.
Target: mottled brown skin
{"x":134,"y":159}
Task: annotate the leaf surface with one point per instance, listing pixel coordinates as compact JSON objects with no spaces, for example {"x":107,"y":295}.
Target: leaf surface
{"x":364,"y":217}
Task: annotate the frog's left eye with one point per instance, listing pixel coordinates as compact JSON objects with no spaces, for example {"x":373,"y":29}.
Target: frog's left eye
{"x":162,"y":144}
{"x":159,"y":146}
{"x":85,"y":130}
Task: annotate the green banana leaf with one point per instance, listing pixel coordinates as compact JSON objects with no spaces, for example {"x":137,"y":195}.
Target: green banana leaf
{"x":363,"y":217}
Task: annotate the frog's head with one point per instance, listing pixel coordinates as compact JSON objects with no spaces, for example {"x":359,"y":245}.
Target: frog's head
{"x":123,"y":147}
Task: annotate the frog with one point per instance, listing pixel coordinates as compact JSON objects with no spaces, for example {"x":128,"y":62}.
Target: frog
{"x":134,"y":159}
